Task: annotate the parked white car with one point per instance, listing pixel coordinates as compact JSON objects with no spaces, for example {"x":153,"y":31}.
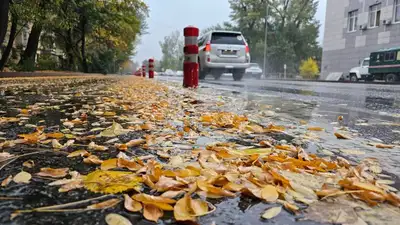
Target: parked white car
{"x":169,"y":72}
{"x":254,"y":71}
{"x":179,"y":73}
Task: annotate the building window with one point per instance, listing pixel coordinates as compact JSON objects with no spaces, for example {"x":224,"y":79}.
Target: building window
{"x":374,"y":15}
{"x":390,"y":56}
{"x":352,"y":20}
{"x":397,"y":10}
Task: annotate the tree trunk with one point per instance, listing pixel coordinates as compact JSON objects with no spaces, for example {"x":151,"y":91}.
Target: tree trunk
{"x":7,"y":51}
{"x":29,"y":55}
{"x":83,"y":44}
{"x":4,"y":8}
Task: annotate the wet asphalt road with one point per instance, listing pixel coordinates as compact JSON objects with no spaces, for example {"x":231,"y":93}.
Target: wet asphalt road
{"x":370,"y":111}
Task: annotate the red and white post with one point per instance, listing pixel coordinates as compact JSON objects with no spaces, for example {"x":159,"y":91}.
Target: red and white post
{"x":151,"y":68}
{"x":190,"y":64}
{"x":144,"y":70}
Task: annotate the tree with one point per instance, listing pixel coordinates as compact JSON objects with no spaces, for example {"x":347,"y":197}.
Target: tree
{"x":309,"y":69}
{"x":172,"y":50}
{"x":224,"y":26}
{"x":292,"y":30}
{"x":4,"y":8}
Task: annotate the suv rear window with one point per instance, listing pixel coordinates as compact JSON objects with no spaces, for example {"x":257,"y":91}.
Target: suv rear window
{"x":227,"y":38}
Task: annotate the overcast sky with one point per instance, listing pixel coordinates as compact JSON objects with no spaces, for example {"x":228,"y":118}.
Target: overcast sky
{"x":170,"y":15}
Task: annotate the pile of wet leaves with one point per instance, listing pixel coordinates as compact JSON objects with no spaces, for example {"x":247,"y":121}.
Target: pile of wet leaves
{"x":112,"y":150}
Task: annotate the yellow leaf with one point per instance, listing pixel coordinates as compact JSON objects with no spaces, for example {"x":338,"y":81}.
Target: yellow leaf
{"x":93,"y":146}
{"x":230,"y":186}
{"x":109,"y":164}
{"x":22,"y":177}
{"x":182,"y":210}
{"x":82,"y":153}
{"x":106,"y":204}
{"x":116,"y":219}
{"x":258,"y":151}
{"x":176,"y":161}
{"x":315,"y":128}
{"x":56,"y":144}
{"x":152,"y":213}
{"x":150,"y":199}
{"x":115,"y":130}
{"x":132,"y":205}
{"x":384,"y":146}
{"x":204,"y":186}
{"x":269,"y":193}
{"x":198,"y":206}
{"x":111,"y":182}
{"x":55,"y":173}
{"x":368,"y":187}
{"x":109,"y":114}
{"x":271,"y":212}
{"x":171,"y":194}
{"x":55,"y":135}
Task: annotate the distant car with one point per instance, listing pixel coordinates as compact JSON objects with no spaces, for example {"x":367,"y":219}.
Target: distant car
{"x":223,"y":52}
{"x":254,"y":71}
{"x":169,"y":72}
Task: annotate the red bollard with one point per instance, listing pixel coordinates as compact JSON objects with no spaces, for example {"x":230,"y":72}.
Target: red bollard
{"x":190,"y":64}
{"x":151,"y":68}
{"x":143,"y":70}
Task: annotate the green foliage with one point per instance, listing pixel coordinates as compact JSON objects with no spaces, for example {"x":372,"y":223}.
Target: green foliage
{"x":172,"y":50}
{"x":309,"y":69}
{"x":292,"y":30}
{"x":47,"y":62}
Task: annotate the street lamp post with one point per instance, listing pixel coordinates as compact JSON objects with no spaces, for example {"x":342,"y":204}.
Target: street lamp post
{"x":265,"y":39}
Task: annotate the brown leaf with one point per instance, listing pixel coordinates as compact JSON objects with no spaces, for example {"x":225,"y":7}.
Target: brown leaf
{"x":166,"y":183}
{"x":55,"y":135}
{"x":393,"y":198}
{"x":105,"y":204}
{"x":82,"y":153}
{"x":29,"y":164}
{"x":6,"y":181}
{"x":152,"y":213}
{"x":230,"y":186}
{"x":136,"y":142}
{"x":93,"y":146}
{"x":148,"y":199}
{"x":384,"y":146}
{"x":204,"y":186}
{"x":341,"y":136}
{"x":368,"y":187}
{"x":93,"y":159}
{"x":132,"y":205}
{"x":130,"y":165}
{"x":55,"y":173}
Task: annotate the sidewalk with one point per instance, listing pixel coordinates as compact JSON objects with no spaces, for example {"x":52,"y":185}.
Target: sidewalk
{"x":94,"y":149}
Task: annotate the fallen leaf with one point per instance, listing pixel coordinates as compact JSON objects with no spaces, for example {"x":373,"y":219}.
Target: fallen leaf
{"x":93,"y":159}
{"x":93,"y":146}
{"x":109,"y":164}
{"x":182,"y":210}
{"x":55,"y":173}
{"x":198,"y":206}
{"x":109,"y":114}
{"x":56,"y":144}
{"x":269,"y":193}
{"x":171,"y":194}
{"x":111,"y":182}
{"x":166,"y":183}
{"x":315,"y":128}
{"x":116,"y":219}
{"x":29,"y":164}
{"x":6,"y":181}
{"x":136,"y":142}
{"x":132,"y":205}
{"x":105,"y":204}
{"x":158,"y":201}
{"x":152,"y":213}
{"x":271,"y":212}
{"x":176,"y":161}
{"x":22,"y":177}
{"x":82,"y":153}
{"x":384,"y":146}
{"x":55,"y":135}
{"x":352,"y":152}
{"x":368,"y":187}
{"x":115,"y":130}
{"x":341,"y":136}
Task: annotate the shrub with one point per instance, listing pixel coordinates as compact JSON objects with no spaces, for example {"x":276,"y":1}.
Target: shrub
{"x":309,"y":69}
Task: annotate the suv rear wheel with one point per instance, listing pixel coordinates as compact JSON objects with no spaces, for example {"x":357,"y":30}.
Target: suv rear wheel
{"x":238,"y":74}
{"x":390,"y":77}
{"x":217,"y":73}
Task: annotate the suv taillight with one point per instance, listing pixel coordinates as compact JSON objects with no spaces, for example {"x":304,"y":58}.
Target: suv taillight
{"x":247,"y":49}
{"x":208,"y":47}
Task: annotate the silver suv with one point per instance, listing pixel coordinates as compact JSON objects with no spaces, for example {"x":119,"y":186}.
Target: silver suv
{"x":223,"y":52}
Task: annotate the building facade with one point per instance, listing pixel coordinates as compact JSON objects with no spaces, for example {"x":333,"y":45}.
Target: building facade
{"x":354,"y":29}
